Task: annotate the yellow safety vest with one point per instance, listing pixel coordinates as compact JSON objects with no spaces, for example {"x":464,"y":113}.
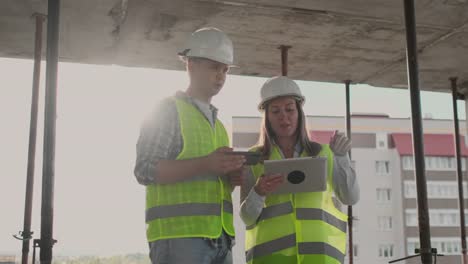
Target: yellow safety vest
{"x":298,"y":228}
{"x":200,"y":206}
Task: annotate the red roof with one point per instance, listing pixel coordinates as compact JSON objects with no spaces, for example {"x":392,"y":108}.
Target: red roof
{"x":434,"y":144}
{"x":322,"y":137}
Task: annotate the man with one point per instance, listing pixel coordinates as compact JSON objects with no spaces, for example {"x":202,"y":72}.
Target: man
{"x":185,"y":163}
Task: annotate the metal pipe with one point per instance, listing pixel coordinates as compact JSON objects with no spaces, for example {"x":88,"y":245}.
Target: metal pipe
{"x":26,"y":233}
{"x":461,"y":204}
{"x":48,"y":166}
{"x":350,"y":208}
{"x":36,"y":244}
{"x":413,"y":83}
{"x":284,"y":59}
{"x":348,"y":111}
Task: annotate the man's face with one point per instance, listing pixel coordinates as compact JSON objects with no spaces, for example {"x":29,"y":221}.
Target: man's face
{"x":208,"y":75}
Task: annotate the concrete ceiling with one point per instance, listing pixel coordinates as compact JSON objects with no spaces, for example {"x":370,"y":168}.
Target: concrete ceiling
{"x":332,"y":40}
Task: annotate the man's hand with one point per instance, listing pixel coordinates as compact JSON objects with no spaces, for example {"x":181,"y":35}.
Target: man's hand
{"x":340,"y":144}
{"x":221,"y":163}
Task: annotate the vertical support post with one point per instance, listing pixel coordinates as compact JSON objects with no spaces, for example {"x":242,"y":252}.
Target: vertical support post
{"x":284,"y":59}
{"x":26,"y":233}
{"x":48,"y":166}
{"x":413,"y":81}
{"x":461,"y":204}
{"x":350,"y":208}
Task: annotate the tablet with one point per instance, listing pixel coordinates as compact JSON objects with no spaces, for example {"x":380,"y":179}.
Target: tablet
{"x":301,"y":174}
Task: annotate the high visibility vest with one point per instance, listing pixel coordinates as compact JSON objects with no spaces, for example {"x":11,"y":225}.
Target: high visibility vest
{"x":200,"y":206}
{"x":298,"y":228}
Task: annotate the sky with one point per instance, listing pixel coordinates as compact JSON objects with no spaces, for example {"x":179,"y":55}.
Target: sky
{"x":98,"y":205}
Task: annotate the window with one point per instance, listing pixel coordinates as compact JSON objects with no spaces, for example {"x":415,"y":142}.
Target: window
{"x":411,"y":217}
{"x":355,"y":224}
{"x":436,"y":189}
{"x":381,"y":139}
{"x":449,"y":247}
{"x":412,"y":245}
{"x":451,"y":163}
{"x":384,"y":195}
{"x":434,"y":163}
{"x":386,"y":250}
{"x":408,"y":163}
{"x":382,"y":167}
{"x":355,"y":250}
{"x":437,"y":217}
{"x":410,"y":189}
{"x":444,"y":217}
{"x":444,"y":245}
{"x":385,"y":223}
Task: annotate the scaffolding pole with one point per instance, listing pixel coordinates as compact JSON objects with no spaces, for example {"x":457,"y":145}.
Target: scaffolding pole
{"x":453,"y":81}
{"x":413,"y":83}
{"x":350,"y":208}
{"x":48,"y":166}
{"x":26,"y":234}
{"x":284,"y":59}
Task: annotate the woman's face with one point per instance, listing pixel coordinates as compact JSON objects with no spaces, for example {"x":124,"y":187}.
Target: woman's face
{"x":283,"y":116}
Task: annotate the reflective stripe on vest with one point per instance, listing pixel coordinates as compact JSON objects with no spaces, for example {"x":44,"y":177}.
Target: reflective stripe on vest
{"x":227,"y":207}
{"x":301,"y":214}
{"x":289,"y":241}
{"x":320,"y":248}
{"x":271,"y":247}
{"x":190,"y":209}
{"x":273,"y":211}
{"x":319,"y":214}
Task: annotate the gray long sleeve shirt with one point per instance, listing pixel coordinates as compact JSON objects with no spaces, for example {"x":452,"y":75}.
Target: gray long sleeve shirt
{"x":344,"y":183}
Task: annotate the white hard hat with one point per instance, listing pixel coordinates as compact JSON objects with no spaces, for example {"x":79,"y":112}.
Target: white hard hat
{"x":279,"y":86}
{"x":210,"y":43}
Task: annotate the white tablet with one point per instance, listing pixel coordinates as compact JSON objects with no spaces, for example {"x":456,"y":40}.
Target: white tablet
{"x":301,"y":174}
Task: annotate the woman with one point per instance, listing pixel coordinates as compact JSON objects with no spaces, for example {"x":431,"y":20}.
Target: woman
{"x":301,"y":227}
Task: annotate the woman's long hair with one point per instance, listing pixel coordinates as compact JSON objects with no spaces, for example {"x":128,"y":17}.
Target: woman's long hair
{"x":267,"y":135}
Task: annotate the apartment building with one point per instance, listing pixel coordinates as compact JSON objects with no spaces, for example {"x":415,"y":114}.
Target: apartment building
{"x":386,"y":225}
